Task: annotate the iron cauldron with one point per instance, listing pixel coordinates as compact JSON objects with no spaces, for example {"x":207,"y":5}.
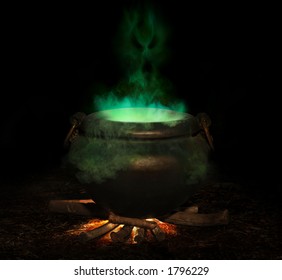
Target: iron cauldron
{"x":139,"y":169}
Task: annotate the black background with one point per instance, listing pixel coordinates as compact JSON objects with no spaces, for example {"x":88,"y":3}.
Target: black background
{"x":55,"y":57}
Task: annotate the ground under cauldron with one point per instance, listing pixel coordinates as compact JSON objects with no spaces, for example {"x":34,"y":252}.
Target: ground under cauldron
{"x":139,"y":162}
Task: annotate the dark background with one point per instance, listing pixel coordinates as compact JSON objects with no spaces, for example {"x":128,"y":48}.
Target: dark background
{"x":55,"y":58}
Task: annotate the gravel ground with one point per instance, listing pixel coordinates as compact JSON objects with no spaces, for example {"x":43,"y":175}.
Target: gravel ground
{"x":29,"y":231}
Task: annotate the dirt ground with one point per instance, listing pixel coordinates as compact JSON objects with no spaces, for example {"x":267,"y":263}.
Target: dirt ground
{"x":29,"y":231}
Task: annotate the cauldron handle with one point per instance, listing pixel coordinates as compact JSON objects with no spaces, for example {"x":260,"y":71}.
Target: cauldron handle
{"x":205,"y":122}
{"x":75,"y":121}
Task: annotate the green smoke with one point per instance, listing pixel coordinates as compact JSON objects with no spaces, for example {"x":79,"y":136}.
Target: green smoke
{"x":111,"y":101}
{"x":142,"y":40}
{"x":141,"y":45}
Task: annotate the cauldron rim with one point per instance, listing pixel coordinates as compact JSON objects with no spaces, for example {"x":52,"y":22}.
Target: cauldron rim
{"x":95,"y":126}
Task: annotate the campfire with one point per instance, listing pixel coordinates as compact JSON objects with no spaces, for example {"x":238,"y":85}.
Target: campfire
{"x":132,"y":230}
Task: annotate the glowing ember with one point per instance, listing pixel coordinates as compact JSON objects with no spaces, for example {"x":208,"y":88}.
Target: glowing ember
{"x":106,"y":239}
{"x":168,"y":229}
{"x":92,"y":224}
{"x":141,"y":115}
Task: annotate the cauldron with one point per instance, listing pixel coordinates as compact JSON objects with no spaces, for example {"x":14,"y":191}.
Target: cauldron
{"x":139,"y":169}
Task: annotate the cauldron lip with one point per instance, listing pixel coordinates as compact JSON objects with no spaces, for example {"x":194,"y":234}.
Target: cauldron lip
{"x":95,"y":126}
{"x":176,"y":115}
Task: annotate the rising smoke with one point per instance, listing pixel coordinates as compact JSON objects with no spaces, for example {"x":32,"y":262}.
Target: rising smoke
{"x":141,"y":45}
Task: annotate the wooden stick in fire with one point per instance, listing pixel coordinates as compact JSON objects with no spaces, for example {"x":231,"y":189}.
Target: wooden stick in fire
{"x":141,"y":233}
{"x":97,"y":232}
{"x":131,"y":221}
{"x":122,"y":235}
{"x":158,"y":233}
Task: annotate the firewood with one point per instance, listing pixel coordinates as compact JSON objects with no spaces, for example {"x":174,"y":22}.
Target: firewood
{"x":192,"y":209}
{"x":158,"y":233}
{"x":97,"y":232}
{"x":191,"y":219}
{"x":180,"y":215}
{"x":122,"y":235}
{"x":87,"y":207}
{"x":189,"y":216}
{"x":131,"y":221}
{"x":141,"y":232}
{"x":84,"y":207}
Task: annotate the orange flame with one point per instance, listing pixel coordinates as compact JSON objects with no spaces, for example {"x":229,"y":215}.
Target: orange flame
{"x":168,"y":229}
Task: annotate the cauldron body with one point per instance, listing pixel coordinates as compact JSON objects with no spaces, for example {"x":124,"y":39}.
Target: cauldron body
{"x":151,"y":169}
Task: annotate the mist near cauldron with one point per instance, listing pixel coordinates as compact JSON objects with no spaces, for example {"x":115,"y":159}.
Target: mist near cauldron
{"x":106,"y":148}
{"x":99,"y":160}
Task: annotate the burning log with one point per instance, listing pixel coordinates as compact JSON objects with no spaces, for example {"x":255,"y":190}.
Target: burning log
{"x":158,"y":233}
{"x":132,"y":221}
{"x":195,"y":219}
{"x":141,"y":232}
{"x":97,"y":232}
{"x":122,"y":235}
